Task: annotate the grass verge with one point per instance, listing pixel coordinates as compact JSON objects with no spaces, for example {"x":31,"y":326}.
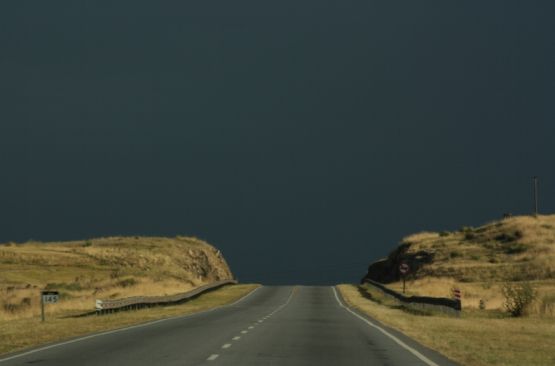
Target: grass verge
{"x":476,"y":338}
{"x":20,"y":334}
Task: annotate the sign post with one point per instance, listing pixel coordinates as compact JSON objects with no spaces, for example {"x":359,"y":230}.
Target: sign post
{"x":47,"y":297}
{"x":404,"y":269}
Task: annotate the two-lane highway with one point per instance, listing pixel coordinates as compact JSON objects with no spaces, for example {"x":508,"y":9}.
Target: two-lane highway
{"x":272,"y":326}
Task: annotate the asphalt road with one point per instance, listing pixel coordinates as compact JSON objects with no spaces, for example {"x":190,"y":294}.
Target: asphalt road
{"x":272,"y":326}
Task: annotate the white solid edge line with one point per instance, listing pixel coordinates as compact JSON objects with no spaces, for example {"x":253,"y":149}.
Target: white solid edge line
{"x":126,"y":328}
{"x":395,"y":339}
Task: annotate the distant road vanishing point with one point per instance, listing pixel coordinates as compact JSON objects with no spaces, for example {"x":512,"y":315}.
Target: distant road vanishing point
{"x":284,"y":326}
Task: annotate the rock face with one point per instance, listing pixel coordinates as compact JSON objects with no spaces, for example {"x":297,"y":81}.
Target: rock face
{"x":387,"y":270}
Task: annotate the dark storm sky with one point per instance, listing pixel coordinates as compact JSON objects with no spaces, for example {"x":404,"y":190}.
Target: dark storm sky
{"x":302,"y":138}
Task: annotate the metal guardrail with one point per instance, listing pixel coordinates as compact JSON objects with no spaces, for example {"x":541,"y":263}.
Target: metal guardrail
{"x":442,"y":304}
{"x":137,"y":302}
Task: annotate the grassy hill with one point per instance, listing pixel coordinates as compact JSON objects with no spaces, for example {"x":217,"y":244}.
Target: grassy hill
{"x":478,"y":260}
{"x":102,"y":268}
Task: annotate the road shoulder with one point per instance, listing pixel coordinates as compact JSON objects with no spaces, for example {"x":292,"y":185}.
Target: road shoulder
{"x":27,"y":336}
{"x":424,"y":353}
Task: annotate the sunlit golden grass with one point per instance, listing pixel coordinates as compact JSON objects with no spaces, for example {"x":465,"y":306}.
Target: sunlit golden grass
{"x":472,"y":292}
{"x":18,"y":334}
{"x":478,"y":261}
{"x":477,"y":338}
{"x":102,"y":268}
{"x":79,"y":301}
{"x":516,"y":248}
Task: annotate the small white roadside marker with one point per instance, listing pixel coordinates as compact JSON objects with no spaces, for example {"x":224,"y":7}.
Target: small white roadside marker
{"x":212,"y":357}
{"x":236,"y":338}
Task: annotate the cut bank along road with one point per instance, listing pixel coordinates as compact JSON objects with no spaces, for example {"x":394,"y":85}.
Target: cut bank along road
{"x":283,"y":326}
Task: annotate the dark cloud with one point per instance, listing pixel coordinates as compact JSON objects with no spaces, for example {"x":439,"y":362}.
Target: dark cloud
{"x":304,"y":139}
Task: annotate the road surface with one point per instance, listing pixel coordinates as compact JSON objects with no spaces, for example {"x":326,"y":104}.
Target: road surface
{"x":284,"y":326}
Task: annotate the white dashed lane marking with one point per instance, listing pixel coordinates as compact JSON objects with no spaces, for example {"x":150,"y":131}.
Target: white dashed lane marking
{"x":260,"y":321}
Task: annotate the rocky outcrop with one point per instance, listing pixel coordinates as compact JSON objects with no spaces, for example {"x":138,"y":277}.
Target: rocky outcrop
{"x":387,"y":270}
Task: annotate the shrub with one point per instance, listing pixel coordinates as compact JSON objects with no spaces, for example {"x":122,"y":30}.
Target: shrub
{"x":11,"y":308}
{"x":509,"y":237}
{"x":469,"y":235}
{"x":444,"y":233}
{"x":88,"y":243}
{"x":515,"y":248}
{"x":465,"y":229}
{"x":128,"y":282}
{"x":504,"y":238}
{"x":116,"y":273}
{"x":454,"y":254}
{"x":72,"y":286}
{"x":547,"y":305}
{"x":518,"y":297}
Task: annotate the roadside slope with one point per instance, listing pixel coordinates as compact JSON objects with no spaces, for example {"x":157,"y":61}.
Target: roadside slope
{"x":513,"y":253}
{"x":479,"y":261}
{"x":102,"y":268}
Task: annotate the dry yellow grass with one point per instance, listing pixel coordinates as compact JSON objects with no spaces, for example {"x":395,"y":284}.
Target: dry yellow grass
{"x":474,"y":292}
{"x":479,"y":261}
{"x":474,"y":339}
{"x":18,"y":334}
{"x":513,"y":249}
{"x":102,"y":268}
